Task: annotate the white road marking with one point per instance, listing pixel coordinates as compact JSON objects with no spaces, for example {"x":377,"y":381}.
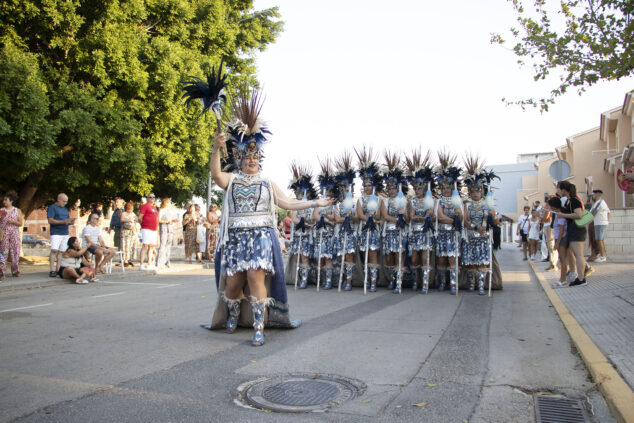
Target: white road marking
{"x":168,"y":286}
{"x":24,"y":308}
{"x":135,"y":283}
{"x":108,"y":295}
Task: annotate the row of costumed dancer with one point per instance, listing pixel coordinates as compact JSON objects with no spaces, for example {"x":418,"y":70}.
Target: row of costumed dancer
{"x":435,"y":237}
{"x":249,"y":269}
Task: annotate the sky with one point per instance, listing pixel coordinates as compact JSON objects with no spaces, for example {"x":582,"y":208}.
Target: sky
{"x":402,"y":74}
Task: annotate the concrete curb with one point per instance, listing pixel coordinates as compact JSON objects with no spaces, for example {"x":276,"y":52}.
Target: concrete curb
{"x":118,"y":275}
{"x":615,"y":390}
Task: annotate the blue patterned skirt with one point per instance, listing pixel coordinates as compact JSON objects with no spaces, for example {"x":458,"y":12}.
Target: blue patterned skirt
{"x":419,"y":240}
{"x":446,"y":245}
{"x":327,"y":245}
{"x":375,"y":240}
{"x":475,"y":252}
{"x":248,"y":249}
{"x":351,"y":243}
{"x":306,"y":247}
{"x":391,"y":242}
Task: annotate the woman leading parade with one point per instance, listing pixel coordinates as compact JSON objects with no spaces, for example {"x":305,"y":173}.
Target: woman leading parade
{"x":248,"y":250}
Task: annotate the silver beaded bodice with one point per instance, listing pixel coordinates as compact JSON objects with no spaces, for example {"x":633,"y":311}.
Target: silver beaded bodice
{"x":249,"y":202}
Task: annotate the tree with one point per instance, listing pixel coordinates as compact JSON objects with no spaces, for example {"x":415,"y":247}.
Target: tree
{"x":90,"y":93}
{"x":595,"y":42}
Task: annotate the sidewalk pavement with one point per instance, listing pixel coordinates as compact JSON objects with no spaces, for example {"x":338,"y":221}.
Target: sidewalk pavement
{"x":604,"y":310}
{"x":36,"y":275}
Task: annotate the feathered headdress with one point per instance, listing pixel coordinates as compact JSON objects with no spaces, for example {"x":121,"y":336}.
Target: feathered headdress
{"x":247,"y":133}
{"x":345,"y":171}
{"x":474,"y":178}
{"x":369,"y":168}
{"x":211,"y":93}
{"x":419,"y":169}
{"x":393,"y":174}
{"x":447,"y":173}
{"x":303,"y":181}
{"x":327,"y":179}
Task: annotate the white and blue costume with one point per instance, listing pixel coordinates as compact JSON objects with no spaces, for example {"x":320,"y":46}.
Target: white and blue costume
{"x":476,"y":245}
{"x":418,"y":239}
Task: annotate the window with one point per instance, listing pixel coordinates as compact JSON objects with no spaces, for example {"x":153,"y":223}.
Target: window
{"x":43,"y":228}
{"x":25,"y":229}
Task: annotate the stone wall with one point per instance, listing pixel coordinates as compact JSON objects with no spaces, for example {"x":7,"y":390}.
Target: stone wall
{"x":619,"y":237}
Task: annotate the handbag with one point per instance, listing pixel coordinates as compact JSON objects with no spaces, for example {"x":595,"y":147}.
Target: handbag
{"x":200,"y":234}
{"x":585,"y":219}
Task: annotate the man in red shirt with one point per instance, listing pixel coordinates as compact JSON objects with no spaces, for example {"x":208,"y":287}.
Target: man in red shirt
{"x":148,"y":216}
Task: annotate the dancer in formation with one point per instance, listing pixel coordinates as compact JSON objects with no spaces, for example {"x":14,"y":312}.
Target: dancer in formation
{"x":302,"y":223}
{"x":248,"y":250}
{"x":479,"y":218}
{"x":324,"y":218}
{"x":448,"y":213}
{"x":369,"y":217}
{"x":395,"y":218}
{"x":347,"y":220}
{"x":421,"y":213}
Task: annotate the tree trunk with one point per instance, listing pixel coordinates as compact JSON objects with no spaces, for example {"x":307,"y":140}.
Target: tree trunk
{"x":29,"y":197}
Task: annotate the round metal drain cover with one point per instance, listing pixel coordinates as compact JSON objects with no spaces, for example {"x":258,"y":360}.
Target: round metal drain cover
{"x":300,"y":393}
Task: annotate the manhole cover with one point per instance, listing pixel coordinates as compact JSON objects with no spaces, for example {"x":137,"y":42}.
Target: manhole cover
{"x":551,"y":409}
{"x":300,"y":393}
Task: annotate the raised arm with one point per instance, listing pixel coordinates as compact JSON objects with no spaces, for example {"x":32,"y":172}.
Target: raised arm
{"x":282,"y":201}
{"x":220,"y":178}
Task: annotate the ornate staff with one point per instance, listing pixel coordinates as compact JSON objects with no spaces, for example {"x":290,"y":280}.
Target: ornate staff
{"x":211,"y":94}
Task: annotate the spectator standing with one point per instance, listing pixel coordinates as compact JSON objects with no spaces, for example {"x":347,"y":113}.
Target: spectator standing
{"x":575,"y":235}
{"x":190,"y":222}
{"x":148,"y":216}
{"x":128,"y":233}
{"x":213,"y":217}
{"x":95,"y":243}
{"x":115,"y":221}
{"x":167,"y":218}
{"x":559,"y":233}
{"x":533,"y":233}
{"x":522,"y":229}
{"x":201,"y":235}
{"x":601,"y":213}
{"x":548,"y":239}
{"x":59,"y":220}
{"x":10,"y":224}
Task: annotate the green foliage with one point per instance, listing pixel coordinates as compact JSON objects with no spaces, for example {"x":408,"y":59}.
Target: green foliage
{"x":90,"y":93}
{"x":595,"y":42}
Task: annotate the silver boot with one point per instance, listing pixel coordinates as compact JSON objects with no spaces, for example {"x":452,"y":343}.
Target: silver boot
{"x":328,"y":283}
{"x":452,"y":280}
{"x":442,"y":279}
{"x":391,"y":276}
{"x":303,"y":274}
{"x":374,"y":275}
{"x":415,"y":273}
{"x":349,"y":269}
{"x":470,"y":278}
{"x":481,"y":278}
{"x":258,"y":307}
{"x":425,"y":288}
{"x":233,"y":305}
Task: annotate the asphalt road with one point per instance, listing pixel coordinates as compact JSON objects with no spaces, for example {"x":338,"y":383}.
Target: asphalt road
{"x":133,"y":351}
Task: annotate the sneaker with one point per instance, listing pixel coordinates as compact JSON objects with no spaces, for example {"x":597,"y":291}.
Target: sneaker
{"x":525,"y":258}
{"x":601,"y":259}
{"x":52,"y":274}
{"x":571,"y":276}
{"x":142,"y":267}
{"x":588,"y":271}
{"x":151,"y":267}
{"x":577,"y":282}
